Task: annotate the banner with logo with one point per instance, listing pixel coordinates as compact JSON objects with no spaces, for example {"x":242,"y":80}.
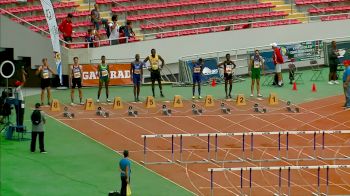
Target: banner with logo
{"x":54,"y":34}
{"x":299,"y":52}
{"x":210,"y":69}
{"x":119,"y":74}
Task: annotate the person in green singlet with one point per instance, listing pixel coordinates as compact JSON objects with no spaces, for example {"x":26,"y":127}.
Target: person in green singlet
{"x":103,"y":73}
{"x":256,"y":65}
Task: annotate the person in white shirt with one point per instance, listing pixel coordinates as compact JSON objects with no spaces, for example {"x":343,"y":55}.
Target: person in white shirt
{"x":19,"y":106}
{"x":114,"y":27}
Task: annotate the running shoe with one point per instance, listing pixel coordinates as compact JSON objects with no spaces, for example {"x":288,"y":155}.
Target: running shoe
{"x":98,"y":101}
{"x":252,"y":95}
{"x":336,"y":82}
{"x":200,"y":97}
{"x":108,"y":100}
{"x":72,"y":104}
{"x":193,"y":97}
{"x":259,"y":95}
{"x":331,"y":82}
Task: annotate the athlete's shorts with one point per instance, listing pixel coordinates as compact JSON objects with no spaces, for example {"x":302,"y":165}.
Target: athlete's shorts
{"x":136,"y":78}
{"x":196,"y":78}
{"x":333,"y":68}
{"x":45,"y":83}
{"x":76,"y":82}
{"x":278,"y":68}
{"x":255,"y":73}
{"x":155,"y":75}
{"x":228,"y":76}
{"x":104,"y":79}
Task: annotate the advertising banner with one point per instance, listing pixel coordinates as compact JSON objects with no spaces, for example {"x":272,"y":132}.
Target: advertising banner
{"x":119,"y":74}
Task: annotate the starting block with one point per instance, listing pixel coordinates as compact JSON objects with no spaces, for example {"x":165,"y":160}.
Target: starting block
{"x":291,"y":108}
{"x":100,"y":112}
{"x":224,"y":109}
{"x":67,"y":114}
{"x":257,"y":109}
{"x":195,"y":110}
{"x":132,"y":112}
{"x":166,"y":111}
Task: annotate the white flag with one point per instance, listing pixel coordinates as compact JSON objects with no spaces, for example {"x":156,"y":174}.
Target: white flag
{"x":54,"y":34}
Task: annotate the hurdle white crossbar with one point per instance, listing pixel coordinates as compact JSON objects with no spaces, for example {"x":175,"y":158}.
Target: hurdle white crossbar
{"x":247,"y":133}
{"x":322,"y":156}
{"x":280,"y":168}
{"x":147,"y":162}
{"x":251,"y":134}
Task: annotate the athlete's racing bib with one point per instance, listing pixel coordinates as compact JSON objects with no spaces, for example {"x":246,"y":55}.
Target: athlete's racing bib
{"x":45,"y":74}
{"x":137,"y":71}
{"x":257,"y":64}
{"x":104,"y":73}
{"x":77,"y":74}
{"x":229,"y":69}
{"x":197,"y":70}
{"x":155,"y":66}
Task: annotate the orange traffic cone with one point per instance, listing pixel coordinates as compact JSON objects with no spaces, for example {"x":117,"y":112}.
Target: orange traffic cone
{"x":294,"y":86}
{"x":314,"y":87}
{"x":213,"y":83}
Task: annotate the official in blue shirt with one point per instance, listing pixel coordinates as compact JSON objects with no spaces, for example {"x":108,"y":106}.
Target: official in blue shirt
{"x":125,"y":170}
{"x":346,"y":84}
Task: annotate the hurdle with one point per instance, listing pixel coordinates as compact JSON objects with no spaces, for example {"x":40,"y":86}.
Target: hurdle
{"x":322,"y":156}
{"x":239,"y":159}
{"x":168,"y":161}
{"x":275,"y":158}
{"x":194,"y":135}
{"x":173,"y":136}
{"x":243,"y":156}
{"x":280,"y":169}
{"x":287,"y":158}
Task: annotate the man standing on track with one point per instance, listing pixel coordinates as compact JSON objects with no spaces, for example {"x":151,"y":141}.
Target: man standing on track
{"x":38,"y":121}
{"x":103,"y":71}
{"x":278,"y":61}
{"x":44,"y":71}
{"x":136,"y":72}
{"x":346,"y":84}
{"x":75,"y":75}
{"x":197,"y":72}
{"x":333,"y":64}
{"x":125,"y":170}
{"x":229,"y":67}
{"x":155,"y":69}
{"x":256,"y":65}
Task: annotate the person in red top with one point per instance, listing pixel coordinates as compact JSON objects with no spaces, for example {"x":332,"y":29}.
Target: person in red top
{"x":278,"y":61}
{"x":66,"y":28}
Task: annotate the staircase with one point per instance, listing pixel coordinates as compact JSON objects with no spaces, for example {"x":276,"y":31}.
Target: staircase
{"x":282,"y":6}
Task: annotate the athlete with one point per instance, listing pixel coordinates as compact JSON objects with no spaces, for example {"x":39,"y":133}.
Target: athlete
{"x":229,"y":67}
{"x":197,"y":72}
{"x":44,"y":72}
{"x":155,"y":70}
{"x":103,"y":71}
{"x":256,"y":65}
{"x":75,"y":75}
{"x":136,"y":72}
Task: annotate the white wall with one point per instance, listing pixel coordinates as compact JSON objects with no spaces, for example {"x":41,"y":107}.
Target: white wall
{"x":27,"y":43}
